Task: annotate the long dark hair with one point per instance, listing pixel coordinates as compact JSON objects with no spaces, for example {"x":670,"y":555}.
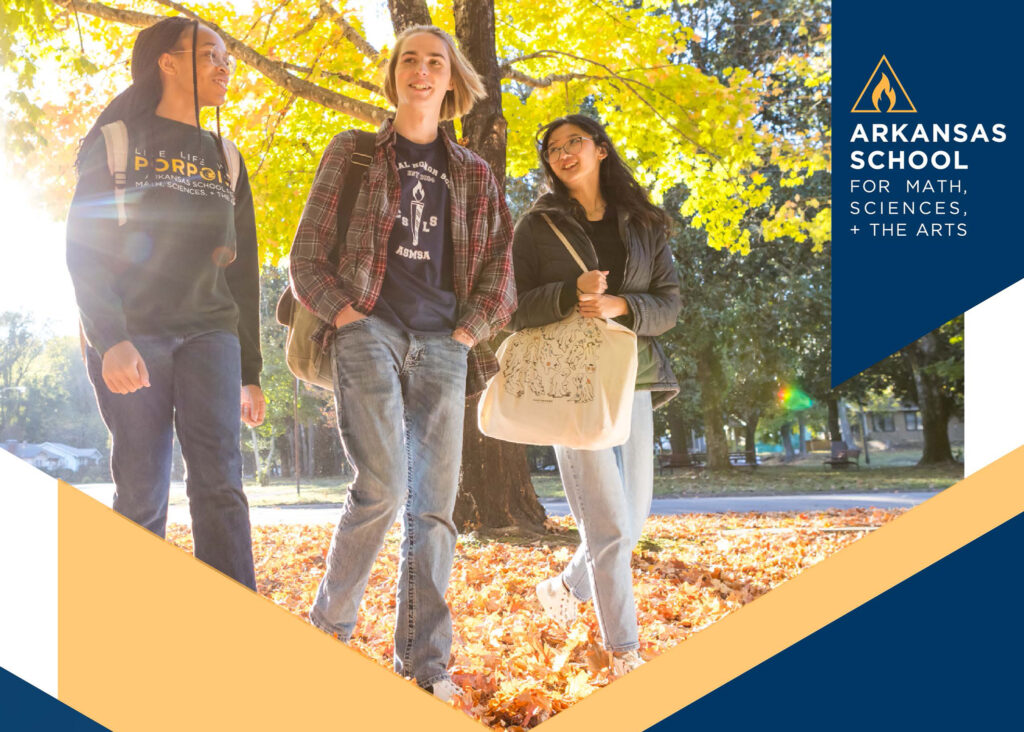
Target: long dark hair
{"x":618,"y":186}
{"x":142,"y":97}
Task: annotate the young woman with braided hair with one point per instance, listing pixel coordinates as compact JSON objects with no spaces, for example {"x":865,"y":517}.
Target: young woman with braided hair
{"x":161,"y":246}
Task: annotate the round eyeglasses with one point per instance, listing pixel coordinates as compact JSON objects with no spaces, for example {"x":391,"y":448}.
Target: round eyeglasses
{"x":571,"y":147}
{"x":226,"y":61}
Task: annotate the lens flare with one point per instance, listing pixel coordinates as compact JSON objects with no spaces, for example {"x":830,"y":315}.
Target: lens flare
{"x":793,"y":398}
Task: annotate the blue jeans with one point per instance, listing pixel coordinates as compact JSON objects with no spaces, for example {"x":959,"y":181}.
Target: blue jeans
{"x":401,"y":400}
{"x":195,"y":386}
{"x":609,"y":493}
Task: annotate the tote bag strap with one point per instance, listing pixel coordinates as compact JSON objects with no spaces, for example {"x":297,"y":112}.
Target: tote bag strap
{"x":561,"y":236}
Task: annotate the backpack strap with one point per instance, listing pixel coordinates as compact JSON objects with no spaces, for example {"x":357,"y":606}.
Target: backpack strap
{"x":234,"y":161}
{"x":359,"y":163}
{"x":115,"y":135}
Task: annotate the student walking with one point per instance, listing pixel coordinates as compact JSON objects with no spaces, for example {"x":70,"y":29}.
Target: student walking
{"x":414,"y":291}
{"x":161,"y":246}
{"x":622,"y":238}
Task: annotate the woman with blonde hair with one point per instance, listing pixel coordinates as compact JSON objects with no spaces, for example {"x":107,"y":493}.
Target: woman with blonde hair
{"x":409,"y":298}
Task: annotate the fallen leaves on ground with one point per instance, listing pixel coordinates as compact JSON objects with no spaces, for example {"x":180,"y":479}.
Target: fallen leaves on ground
{"x":518,"y":668}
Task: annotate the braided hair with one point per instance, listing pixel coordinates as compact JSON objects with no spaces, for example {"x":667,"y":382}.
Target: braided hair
{"x":141,"y":98}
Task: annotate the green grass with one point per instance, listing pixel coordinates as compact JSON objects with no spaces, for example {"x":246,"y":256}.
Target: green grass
{"x":890,"y":470}
{"x":281,"y":491}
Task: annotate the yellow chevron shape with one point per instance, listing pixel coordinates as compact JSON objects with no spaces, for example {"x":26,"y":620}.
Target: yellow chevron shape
{"x":151,"y":639}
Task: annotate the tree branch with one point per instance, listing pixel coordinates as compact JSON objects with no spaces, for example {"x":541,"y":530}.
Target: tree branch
{"x":351,"y":34}
{"x":300,"y":32}
{"x":507,"y":72}
{"x":612,"y":75}
{"x":275,"y":71}
{"x":368,"y":85}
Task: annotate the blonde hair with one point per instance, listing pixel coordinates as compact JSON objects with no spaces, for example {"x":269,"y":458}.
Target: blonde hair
{"x":466,"y":82}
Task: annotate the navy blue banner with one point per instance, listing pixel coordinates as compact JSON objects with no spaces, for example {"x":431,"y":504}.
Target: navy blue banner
{"x":24,"y":707}
{"x":941,"y":650}
{"x":927,"y":140}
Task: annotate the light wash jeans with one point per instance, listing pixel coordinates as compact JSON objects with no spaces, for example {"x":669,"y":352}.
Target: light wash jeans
{"x":195,"y":386}
{"x":401,"y":400}
{"x":609,"y":493}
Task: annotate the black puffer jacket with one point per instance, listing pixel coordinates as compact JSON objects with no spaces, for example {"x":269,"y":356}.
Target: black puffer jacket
{"x":650,"y":285}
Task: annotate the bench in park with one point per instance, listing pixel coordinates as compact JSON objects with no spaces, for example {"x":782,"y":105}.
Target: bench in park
{"x":842,"y":457}
{"x":670,"y":461}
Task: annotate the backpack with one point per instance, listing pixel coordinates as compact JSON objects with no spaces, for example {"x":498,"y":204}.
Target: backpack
{"x":307,"y":359}
{"x":115,"y":134}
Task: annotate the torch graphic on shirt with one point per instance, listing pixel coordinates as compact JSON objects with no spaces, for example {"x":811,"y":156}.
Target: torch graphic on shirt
{"x":417,"y":212}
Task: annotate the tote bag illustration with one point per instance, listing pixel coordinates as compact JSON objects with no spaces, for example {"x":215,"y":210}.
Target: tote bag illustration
{"x":568,"y":383}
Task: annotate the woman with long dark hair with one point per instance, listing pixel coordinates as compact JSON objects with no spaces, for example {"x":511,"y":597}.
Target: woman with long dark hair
{"x":606,"y":215}
{"x":409,"y":299}
{"x":161,"y":245}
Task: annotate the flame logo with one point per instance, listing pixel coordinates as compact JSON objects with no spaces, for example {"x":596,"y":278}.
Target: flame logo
{"x":417,"y":192}
{"x":883,"y":87}
{"x":884,"y":82}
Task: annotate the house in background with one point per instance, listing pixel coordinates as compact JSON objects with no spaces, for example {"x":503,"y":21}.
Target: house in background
{"x":50,"y":456}
{"x":899,"y":426}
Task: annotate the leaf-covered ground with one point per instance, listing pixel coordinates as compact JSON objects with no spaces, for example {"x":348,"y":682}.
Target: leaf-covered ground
{"x":517,"y":667}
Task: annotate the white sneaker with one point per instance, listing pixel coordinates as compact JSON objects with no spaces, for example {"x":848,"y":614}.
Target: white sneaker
{"x":445,"y":689}
{"x":557,"y":602}
{"x":625,"y":661}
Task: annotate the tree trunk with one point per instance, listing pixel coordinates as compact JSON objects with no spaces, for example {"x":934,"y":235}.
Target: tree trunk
{"x":293,"y":452}
{"x":405,"y":13}
{"x":484,"y":128}
{"x":931,"y":400}
{"x":309,"y":433}
{"x":750,"y":438}
{"x":255,"y":451}
{"x":832,"y":402}
{"x":495,"y":487}
{"x":712,"y":389}
{"x":678,"y":432}
{"x":801,"y":421}
{"x":264,"y":479}
{"x":864,"y":433}
{"x":844,"y":425}
{"x":787,"y":442}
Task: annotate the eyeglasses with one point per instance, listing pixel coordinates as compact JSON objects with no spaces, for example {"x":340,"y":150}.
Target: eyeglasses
{"x":226,"y":61}
{"x":569,"y":148}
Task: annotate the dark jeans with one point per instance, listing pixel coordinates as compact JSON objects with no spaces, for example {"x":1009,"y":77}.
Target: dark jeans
{"x":195,"y":390}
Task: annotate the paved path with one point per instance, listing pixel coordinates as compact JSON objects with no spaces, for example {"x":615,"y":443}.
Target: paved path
{"x":329,"y":513}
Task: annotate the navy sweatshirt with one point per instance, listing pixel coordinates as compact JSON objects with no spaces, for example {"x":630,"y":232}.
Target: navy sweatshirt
{"x":185,"y":261}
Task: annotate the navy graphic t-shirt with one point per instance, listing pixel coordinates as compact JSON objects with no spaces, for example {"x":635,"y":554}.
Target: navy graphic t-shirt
{"x":417,"y":294}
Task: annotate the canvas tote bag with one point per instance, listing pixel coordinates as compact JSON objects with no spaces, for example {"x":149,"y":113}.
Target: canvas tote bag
{"x":568,"y":383}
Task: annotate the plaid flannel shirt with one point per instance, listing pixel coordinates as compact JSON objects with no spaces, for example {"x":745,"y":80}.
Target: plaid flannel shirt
{"x":481,"y":233}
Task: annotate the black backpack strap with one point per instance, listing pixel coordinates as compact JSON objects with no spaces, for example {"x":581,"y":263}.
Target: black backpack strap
{"x":358,"y":164}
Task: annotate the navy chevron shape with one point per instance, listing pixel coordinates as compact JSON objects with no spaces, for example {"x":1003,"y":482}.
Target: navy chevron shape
{"x":940,"y":650}
{"x":958,"y":67}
